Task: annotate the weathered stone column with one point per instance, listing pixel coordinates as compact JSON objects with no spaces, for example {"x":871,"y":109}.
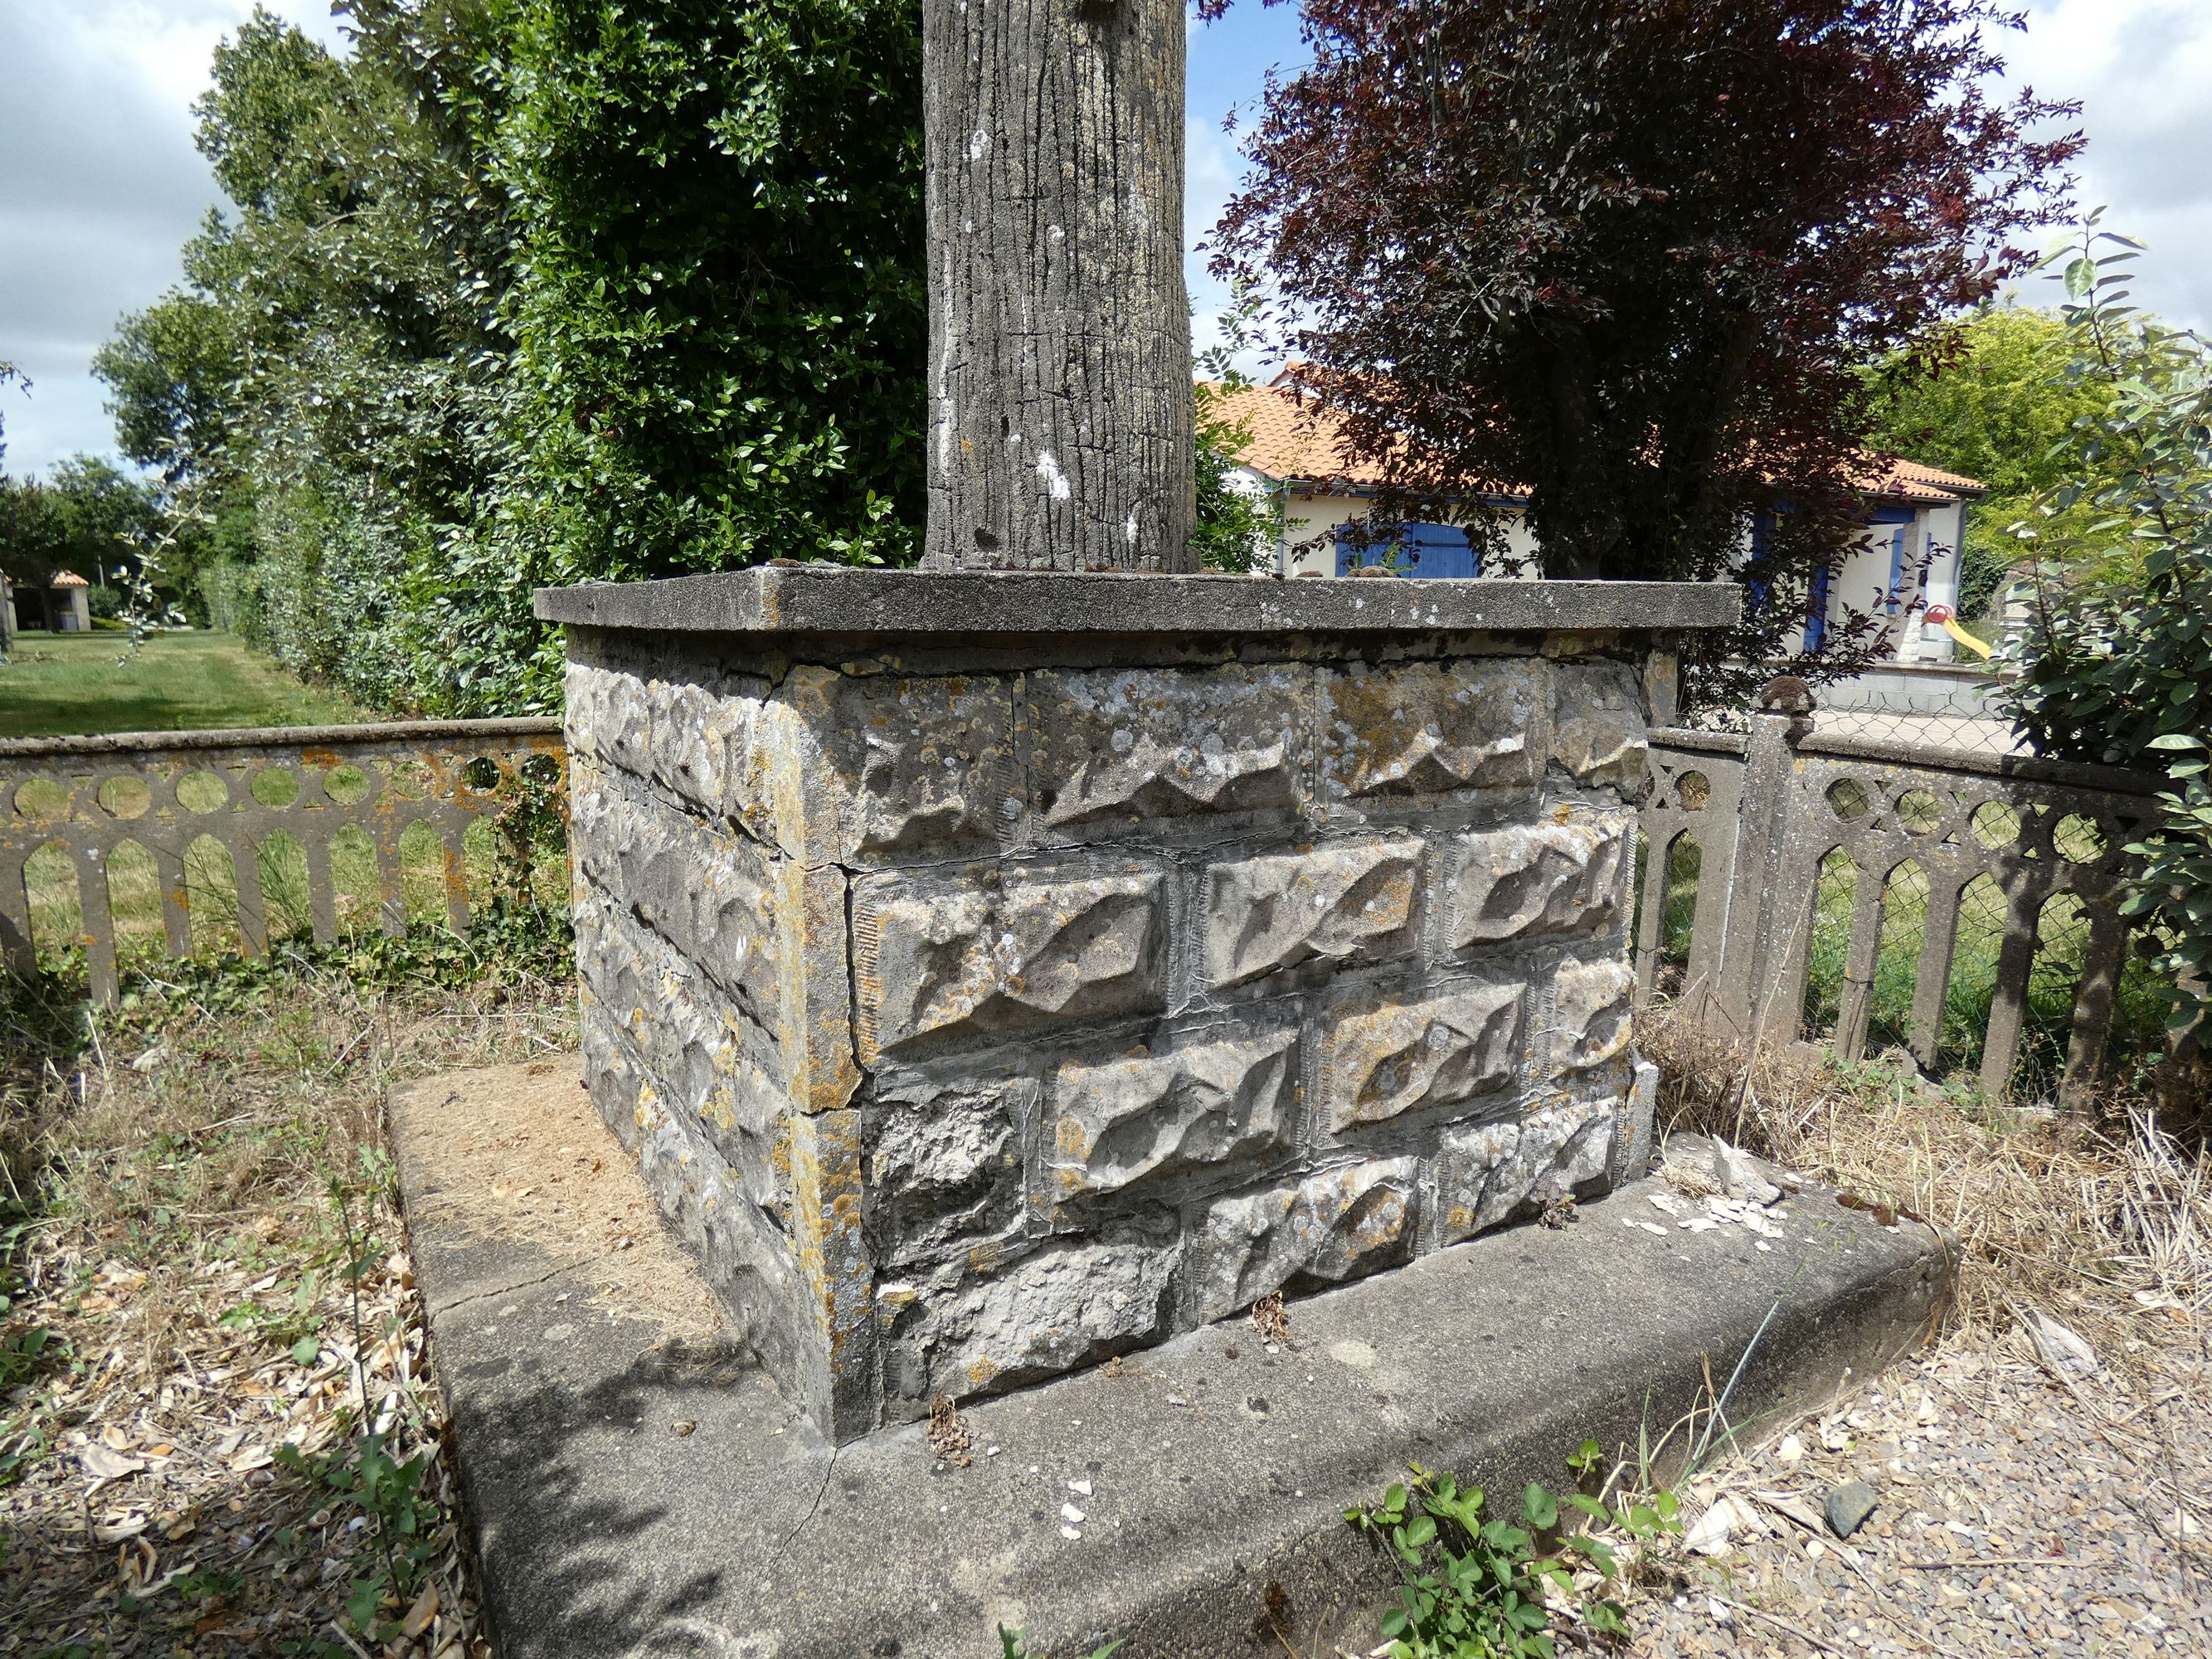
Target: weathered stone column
{"x":996,"y":971}
{"x":1060,"y":421}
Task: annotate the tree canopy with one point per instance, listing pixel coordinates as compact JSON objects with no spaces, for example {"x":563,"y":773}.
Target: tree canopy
{"x":524,"y":291}
{"x":1632,"y":254}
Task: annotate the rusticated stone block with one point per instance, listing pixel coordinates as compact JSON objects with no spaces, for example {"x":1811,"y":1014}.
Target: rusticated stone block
{"x":1593,"y":1013}
{"x":1392,"y":1058}
{"x":690,"y":742}
{"x":1598,"y":728}
{"x":1201,"y":1104}
{"x":972,"y":957}
{"x":1423,"y":728}
{"x":1332,"y":1226}
{"x":1067,"y":1303}
{"x":1491,"y":1173}
{"x":1345,"y":904}
{"x":1547,"y":879}
{"x":944,"y":1162}
{"x":733,"y":896}
{"x":888,"y":764}
{"x":610,"y":1075}
{"x":1125,"y":745}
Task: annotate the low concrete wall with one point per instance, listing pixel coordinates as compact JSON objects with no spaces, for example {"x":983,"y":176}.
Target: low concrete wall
{"x":997,"y":973}
{"x":227,"y":798}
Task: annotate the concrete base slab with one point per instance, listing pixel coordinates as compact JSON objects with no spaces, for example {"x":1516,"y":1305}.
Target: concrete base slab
{"x":640,"y":1489}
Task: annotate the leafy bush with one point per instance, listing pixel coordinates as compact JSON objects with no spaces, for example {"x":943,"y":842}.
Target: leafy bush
{"x":2116,"y":657}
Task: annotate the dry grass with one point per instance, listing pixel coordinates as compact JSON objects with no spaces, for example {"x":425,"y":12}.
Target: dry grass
{"x":209,"y":1272}
{"x":2095,"y":1222}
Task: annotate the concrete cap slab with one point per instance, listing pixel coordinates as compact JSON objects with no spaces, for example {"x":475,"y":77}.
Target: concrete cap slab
{"x":835,"y":599}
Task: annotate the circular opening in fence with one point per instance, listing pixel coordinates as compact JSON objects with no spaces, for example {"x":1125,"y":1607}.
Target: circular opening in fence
{"x":1996,"y":826}
{"x":1918,"y":811}
{"x":124,"y":796}
{"x":2078,"y":840}
{"x":480,"y":773}
{"x":545,"y":769}
{"x":202,"y":791}
{"x":346,"y":785}
{"x":46,"y":800}
{"x":1693,"y":790}
{"x":410,"y":780}
{"x":1847,"y":798}
{"x":274,"y":787}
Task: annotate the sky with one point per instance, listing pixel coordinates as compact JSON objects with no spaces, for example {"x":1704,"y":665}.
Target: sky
{"x":100,"y":185}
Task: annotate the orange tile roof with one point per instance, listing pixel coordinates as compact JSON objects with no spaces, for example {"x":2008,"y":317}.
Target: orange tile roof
{"x":66,"y":579}
{"x":1295,"y":438}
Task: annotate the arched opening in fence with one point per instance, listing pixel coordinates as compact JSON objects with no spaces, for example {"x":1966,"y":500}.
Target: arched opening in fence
{"x":1897,"y":956}
{"x":210,"y":894}
{"x":2062,"y":939}
{"x":1677,"y":913}
{"x":1979,"y":943}
{"x":56,"y":907}
{"x":424,"y":874}
{"x":287,"y":891}
{"x":133,"y":902}
{"x":356,"y":893}
{"x":1828,"y":945}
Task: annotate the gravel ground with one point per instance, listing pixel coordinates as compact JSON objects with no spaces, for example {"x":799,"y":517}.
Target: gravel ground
{"x":2019,"y":1515}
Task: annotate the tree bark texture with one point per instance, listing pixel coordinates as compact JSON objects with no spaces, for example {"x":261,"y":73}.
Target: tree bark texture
{"x":1061,"y":419}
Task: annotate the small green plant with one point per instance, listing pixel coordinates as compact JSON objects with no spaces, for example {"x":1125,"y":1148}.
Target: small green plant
{"x":1480,"y":1586}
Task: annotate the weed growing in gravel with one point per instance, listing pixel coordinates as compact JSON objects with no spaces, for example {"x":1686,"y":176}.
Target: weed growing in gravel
{"x":1476,"y":1585}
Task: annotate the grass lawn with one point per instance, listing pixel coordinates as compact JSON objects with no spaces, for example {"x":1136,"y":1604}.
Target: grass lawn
{"x":66,"y":685}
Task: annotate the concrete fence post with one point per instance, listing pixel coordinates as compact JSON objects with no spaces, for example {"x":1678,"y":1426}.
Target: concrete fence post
{"x":1758,"y":911}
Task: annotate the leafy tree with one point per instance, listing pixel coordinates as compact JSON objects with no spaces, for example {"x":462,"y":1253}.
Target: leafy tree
{"x":717,"y":302}
{"x":1631,"y":253}
{"x":169,"y":372}
{"x":2116,"y":661}
{"x":1996,"y":403}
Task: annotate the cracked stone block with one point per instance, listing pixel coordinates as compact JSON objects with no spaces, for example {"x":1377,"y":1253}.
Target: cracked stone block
{"x":596,"y":815}
{"x":734,"y":901}
{"x":890,"y":764}
{"x":1064,"y":1306}
{"x":972,"y":957}
{"x":1632,"y":1146}
{"x":713,"y":1072}
{"x":1593,"y":1014}
{"x":1343,"y":905}
{"x":1546,"y":878}
{"x":1333,"y":1225}
{"x":691,"y":726}
{"x":1126,"y":745}
{"x":1202,"y":1104}
{"x":1498,"y":1171}
{"x":610,"y":1075}
{"x":1403,"y":1057}
{"x":655,"y":882}
{"x":1599,"y":733}
{"x":943,"y":1163}
{"x":1423,"y":728}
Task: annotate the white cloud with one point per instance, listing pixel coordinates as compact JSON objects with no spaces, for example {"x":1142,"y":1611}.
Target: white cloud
{"x":102,"y":186}
{"x":2141,"y":69}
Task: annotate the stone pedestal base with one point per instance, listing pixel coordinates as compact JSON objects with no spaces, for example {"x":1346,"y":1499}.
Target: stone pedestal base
{"x":994,"y":974}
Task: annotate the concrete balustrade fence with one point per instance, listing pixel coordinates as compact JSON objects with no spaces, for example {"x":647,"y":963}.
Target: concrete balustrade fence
{"x":207,"y":819}
{"x":1962,"y":906}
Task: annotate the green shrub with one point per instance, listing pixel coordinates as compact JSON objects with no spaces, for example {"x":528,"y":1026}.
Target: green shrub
{"x":2115,"y":661}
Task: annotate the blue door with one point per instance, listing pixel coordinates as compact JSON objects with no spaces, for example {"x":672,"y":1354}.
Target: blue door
{"x":1423,"y":550}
